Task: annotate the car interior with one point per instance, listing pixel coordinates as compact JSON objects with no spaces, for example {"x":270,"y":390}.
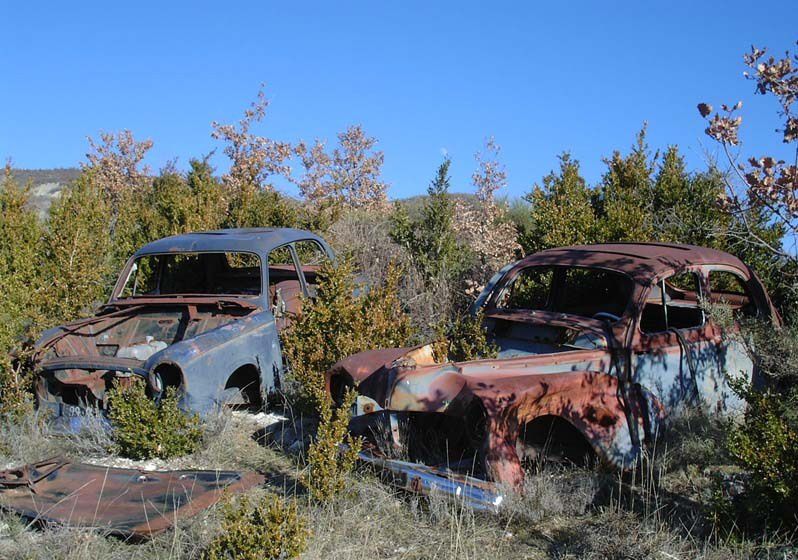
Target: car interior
{"x":673,"y":303}
{"x":235,"y":274}
{"x":581,"y":292}
{"x":285,"y":284}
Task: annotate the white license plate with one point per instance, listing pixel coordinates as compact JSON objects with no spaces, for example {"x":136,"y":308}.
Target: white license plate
{"x":70,"y":410}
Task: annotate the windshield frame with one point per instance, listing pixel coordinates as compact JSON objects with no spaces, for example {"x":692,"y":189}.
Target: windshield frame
{"x":557,"y":277}
{"x":131,"y":268}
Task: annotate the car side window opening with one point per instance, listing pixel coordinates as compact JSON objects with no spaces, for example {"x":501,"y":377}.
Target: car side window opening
{"x":729,"y":290}
{"x":311,"y":257}
{"x":530,"y":289}
{"x":673,"y":303}
{"x":232,"y":273}
{"x":585,"y":292}
{"x":285,"y":285}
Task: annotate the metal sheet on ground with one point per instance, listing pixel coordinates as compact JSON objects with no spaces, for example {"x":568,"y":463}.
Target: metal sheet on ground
{"x":125,"y":502}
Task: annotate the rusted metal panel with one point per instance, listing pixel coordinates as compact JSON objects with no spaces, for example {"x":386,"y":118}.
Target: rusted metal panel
{"x":126,"y":502}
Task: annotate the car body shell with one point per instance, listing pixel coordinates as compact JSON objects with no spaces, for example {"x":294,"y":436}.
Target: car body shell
{"x":616,"y":397}
{"x":225,"y":339}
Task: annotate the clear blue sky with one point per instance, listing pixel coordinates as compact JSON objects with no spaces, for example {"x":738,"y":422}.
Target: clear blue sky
{"x":423,"y":77}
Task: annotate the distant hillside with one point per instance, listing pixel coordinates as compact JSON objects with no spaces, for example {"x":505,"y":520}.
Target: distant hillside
{"x":46,"y":184}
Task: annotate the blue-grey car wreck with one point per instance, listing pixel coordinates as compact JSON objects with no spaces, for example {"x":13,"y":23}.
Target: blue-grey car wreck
{"x":199,"y":312}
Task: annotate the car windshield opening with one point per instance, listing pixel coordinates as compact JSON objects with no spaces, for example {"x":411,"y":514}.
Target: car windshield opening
{"x":584,"y":292}
{"x":236,"y":274}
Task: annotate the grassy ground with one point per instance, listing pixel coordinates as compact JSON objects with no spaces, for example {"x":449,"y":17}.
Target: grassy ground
{"x":565,"y":513}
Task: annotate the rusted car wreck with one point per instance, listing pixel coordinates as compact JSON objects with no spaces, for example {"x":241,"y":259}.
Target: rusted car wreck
{"x":199,"y":312}
{"x":599,"y":346}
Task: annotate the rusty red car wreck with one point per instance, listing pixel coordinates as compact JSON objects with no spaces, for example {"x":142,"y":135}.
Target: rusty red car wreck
{"x":599,"y":347}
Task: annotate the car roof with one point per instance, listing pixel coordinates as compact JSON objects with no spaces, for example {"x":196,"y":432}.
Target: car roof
{"x":248,"y":240}
{"x":641,"y":261}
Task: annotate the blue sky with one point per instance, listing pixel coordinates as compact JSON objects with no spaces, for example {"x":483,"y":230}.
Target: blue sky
{"x":423,"y":77}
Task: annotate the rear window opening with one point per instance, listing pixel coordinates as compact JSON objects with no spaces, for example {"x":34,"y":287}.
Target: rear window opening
{"x":729,"y":290}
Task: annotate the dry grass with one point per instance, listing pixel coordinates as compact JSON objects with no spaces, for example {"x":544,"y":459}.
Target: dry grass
{"x":566,"y":513}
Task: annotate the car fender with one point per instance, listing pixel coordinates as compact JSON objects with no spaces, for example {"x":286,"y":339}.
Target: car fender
{"x":207,"y":361}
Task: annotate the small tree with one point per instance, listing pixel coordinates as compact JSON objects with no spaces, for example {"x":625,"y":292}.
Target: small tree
{"x":685,"y":206}
{"x":562,"y":212}
{"x":254,"y":159}
{"x":349,"y":177}
{"x":624,"y":202}
{"x":764,"y":183}
{"x":207,"y":196}
{"x":340,"y":322}
{"x":20,"y":274}
{"x":485,"y":227}
{"x":20,"y":277}
{"x":431,"y":239}
{"x":760,"y":196}
{"x":116,"y":163}
{"x":76,"y":252}
{"x":334,"y":452}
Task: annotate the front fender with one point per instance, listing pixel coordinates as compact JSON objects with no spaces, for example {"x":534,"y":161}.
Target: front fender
{"x":589,"y":401}
{"x":208,"y":360}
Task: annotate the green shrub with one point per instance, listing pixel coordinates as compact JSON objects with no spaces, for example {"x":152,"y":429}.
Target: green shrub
{"x":21,"y":278}
{"x":272,"y":529}
{"x":560,"y":210}
{"x":144,"y":429}
{"x":328,"y":464}
{"x":430,"y":237}
{"x":76,"y":259}
{"x":340,"y":322}
{"x":765,"y":444}
{"x":468,"y":340}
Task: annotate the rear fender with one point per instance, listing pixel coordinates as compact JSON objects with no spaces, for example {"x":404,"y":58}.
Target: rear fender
{"x":208,"y":360}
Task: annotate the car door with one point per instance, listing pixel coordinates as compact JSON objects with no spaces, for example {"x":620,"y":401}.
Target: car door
{"x":676,"y":356}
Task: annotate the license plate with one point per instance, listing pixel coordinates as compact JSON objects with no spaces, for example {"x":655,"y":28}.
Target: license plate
{"x":71,"y":411}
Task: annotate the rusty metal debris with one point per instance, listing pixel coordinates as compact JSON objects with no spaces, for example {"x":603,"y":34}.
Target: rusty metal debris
{"x":126,"y":502}
{"x":600,"y":346}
